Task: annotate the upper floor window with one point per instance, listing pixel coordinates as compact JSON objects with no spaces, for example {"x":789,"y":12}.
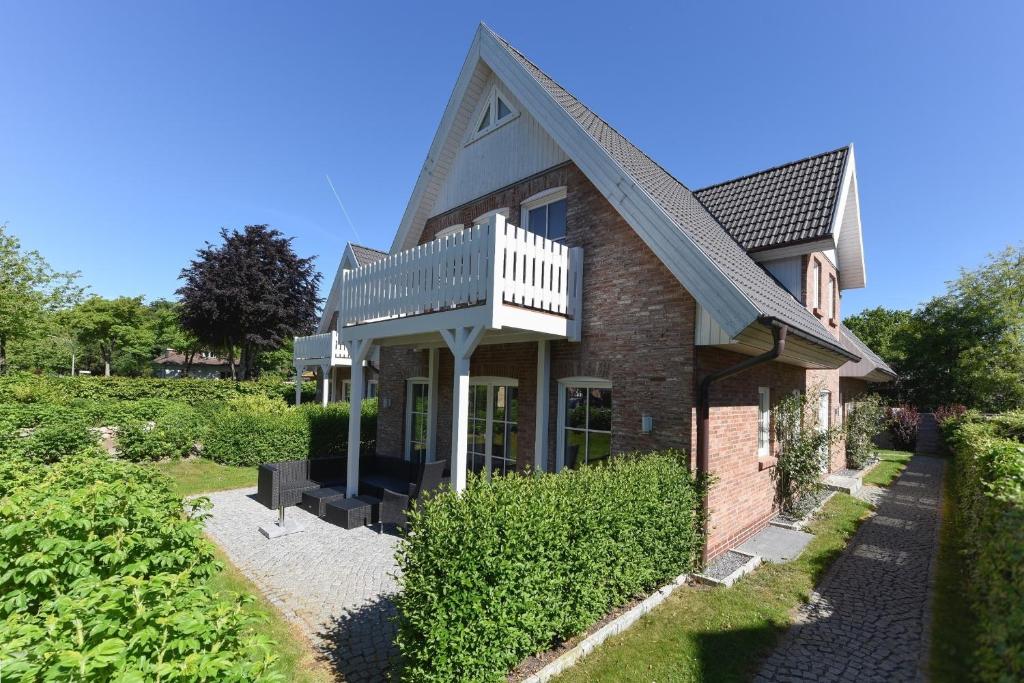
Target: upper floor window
{"x":833,"y":300}
{"x":484,"y":217}
{"x":816,"y":285}
{"x":495,"y":112}
{"x":544,"y":214}
{"x":450,"y":230}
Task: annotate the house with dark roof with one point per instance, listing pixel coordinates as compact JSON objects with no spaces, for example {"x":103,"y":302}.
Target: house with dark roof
{"x":197,"y":365}
{"x":554,"y":296}
{"x":323,"y":354}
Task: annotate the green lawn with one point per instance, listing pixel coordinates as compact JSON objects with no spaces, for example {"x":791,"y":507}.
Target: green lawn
{"x":886,"y":471}
{"x":720,"y":634}
{"x":198,"y":475}
{"x":298,"y":661}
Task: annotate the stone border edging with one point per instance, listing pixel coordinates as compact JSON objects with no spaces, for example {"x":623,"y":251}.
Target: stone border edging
{"x":614,"y":627}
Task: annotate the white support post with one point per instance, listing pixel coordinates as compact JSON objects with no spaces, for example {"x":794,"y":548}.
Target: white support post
{"x":540,"y":443}
{"x":432,"y":397}
{"x":298,"y":385}
{"x":462,"y":341}
{"x":325,"y":383}
{"x":359,"y":350}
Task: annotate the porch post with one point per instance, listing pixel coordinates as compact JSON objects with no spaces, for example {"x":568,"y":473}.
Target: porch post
{"x":298,"y":385}
{"x":358,"y":349}
{"x":325,"y":382}
{"x":540,"y":443}
{"x":462,"y":341}
{"x":432,"y":358}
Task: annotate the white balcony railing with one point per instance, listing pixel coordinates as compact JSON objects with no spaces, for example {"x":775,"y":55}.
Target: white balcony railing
{"x":496,"y":263}
{"x":318,"y":347}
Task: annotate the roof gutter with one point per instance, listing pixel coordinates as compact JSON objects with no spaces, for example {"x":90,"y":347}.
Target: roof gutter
{"x":779,"y":333}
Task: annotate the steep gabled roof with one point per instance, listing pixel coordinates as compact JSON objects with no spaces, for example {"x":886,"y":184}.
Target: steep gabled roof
{"x":788,"y":204}
{"x":870,"y":366}
{"x":692,"y":227}
{"x":366,"y":255}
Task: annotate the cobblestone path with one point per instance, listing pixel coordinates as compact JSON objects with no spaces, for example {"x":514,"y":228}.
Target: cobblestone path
{"x":868,"y":619}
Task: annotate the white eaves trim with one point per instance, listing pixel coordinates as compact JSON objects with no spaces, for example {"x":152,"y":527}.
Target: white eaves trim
{"x":846,"y":230}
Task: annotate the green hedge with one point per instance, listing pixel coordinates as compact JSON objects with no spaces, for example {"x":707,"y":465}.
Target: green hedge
{"x":989,"y":480}
{"x":26,"y":388}
{"x":513,"y":567}
{"x":254,"y":430}
{"x":102,"y":577}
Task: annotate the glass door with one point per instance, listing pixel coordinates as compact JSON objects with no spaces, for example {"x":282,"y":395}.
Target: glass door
{"x":493,"y":430}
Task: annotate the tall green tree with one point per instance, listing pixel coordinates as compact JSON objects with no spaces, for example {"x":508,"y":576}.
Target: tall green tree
{"x":29,"y":289}
{"x":118,"y":330}
{"x":251,"y":292}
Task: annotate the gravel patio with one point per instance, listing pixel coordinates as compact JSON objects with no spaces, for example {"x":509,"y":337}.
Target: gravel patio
{"x":336,"y":585}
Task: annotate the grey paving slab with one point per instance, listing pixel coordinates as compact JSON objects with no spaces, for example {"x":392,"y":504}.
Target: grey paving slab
{"x":775,"y":544}
{"x":337,"y":585}
{"x":869,"y":617}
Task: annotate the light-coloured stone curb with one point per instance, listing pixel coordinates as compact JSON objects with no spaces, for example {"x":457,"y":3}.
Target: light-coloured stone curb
{"x":806,"y":519}
{"x":614,"y":627}
{"x":752,"y":563}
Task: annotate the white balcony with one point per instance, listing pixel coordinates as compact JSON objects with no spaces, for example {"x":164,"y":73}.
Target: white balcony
{"x":320,"y":349}
{"x":513,"y":284}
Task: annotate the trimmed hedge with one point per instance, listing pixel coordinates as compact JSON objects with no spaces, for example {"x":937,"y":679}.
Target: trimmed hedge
{"x":27,"y":388}
{"x":103,"y":577}
{"x":989,"y":480}
{"x":513,"y":567}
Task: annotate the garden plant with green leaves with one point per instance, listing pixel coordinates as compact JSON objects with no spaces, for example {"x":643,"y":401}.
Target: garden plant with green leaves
{"x":804,"y":447}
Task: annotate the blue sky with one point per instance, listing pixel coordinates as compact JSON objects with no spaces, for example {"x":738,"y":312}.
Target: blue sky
{"x":131,"y":132}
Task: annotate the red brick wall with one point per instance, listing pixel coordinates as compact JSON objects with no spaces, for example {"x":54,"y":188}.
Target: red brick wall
{"x":828,"y":273}
{"x":742,"y":500}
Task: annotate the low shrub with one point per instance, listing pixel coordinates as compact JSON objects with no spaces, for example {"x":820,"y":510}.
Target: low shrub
{"x":172,"y":434}
{"x":513,"y":566}
{"x":49,"y":442}
{"x":103,"y":577}
{"x":804,"y":449}
{"x":944,"y":414}
{"x":903,"y":421}
{"x":863,"y":423}
{"x":251,"y":430}
{"x":28,"y":388}
{"x":989,"y":518}
{"x":308,"y":393}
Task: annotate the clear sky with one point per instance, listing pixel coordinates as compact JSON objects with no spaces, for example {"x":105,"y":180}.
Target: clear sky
{"x":131,"y":132}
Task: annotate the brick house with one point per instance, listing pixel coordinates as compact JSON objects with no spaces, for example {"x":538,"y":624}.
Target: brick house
{"x":553,"y":296}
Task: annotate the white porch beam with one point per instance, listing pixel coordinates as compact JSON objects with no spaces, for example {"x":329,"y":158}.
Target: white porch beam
{"x":462,"y":341}
{"x":432,"y":360}
{"x":298,"y":384}
{"x":358,"y":349}
{"x":325,"y":383}
{"x":540,"y":443}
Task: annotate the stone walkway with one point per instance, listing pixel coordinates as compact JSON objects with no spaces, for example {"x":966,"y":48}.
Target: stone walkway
{"x":868,"y":620}
{"x":335,"y":584}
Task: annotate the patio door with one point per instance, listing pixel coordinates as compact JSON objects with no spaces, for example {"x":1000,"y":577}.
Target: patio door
{"x":824,"y":404}
{"x":493,"y":428}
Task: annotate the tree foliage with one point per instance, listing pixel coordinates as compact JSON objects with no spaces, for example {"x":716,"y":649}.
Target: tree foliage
{"x":116,"y":329}
{"x":29,"y":289}
{"x":966,"y":346}
{"x":251,"y":292}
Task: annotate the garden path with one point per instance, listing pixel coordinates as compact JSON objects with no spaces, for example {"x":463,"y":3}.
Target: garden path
{"x":336,"y":584}
{"x":868,"y":620}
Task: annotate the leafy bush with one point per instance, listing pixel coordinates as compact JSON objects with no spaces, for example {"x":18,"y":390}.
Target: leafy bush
{"x":173,"y":434}
{"x":903,"y":421}
{"x":944,"y":414}
{"x":103,"y":578}
{"x":50,"y":442}
{"x":24,"y":388}
{"x":989,"y":480}
{"x":515,"y":565}
{"x":308,"y":393}
{"x":863,"y":423}
{"x":803,"y":449}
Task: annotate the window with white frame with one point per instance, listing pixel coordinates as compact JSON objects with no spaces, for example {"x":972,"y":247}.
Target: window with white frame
{"x":493,"y":429}
{"x":833,"y":299}
{"x":584,"y":421}
{"x":346,"y":390}
{"x":484,"y":217}
{"x":496,"y":110}
{"x":764,"y":421}
{"x":417,"y":419}
{"x":371,"y":389}
{"x":544,"y":214}
{"x":450,"y":230}
{"x":816,"y":285}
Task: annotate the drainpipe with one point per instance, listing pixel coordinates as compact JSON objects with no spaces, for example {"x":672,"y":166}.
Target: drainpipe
{"x":703,"y":407}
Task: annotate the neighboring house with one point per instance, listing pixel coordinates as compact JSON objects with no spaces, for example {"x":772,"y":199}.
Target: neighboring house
{"x":204,"y":365}
{"x":625,"y":312}
{"x":323,"y":354}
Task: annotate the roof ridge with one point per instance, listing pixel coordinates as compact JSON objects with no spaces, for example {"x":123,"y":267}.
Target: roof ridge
{"x":773,"y":168}
{"x":363,"y":246}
